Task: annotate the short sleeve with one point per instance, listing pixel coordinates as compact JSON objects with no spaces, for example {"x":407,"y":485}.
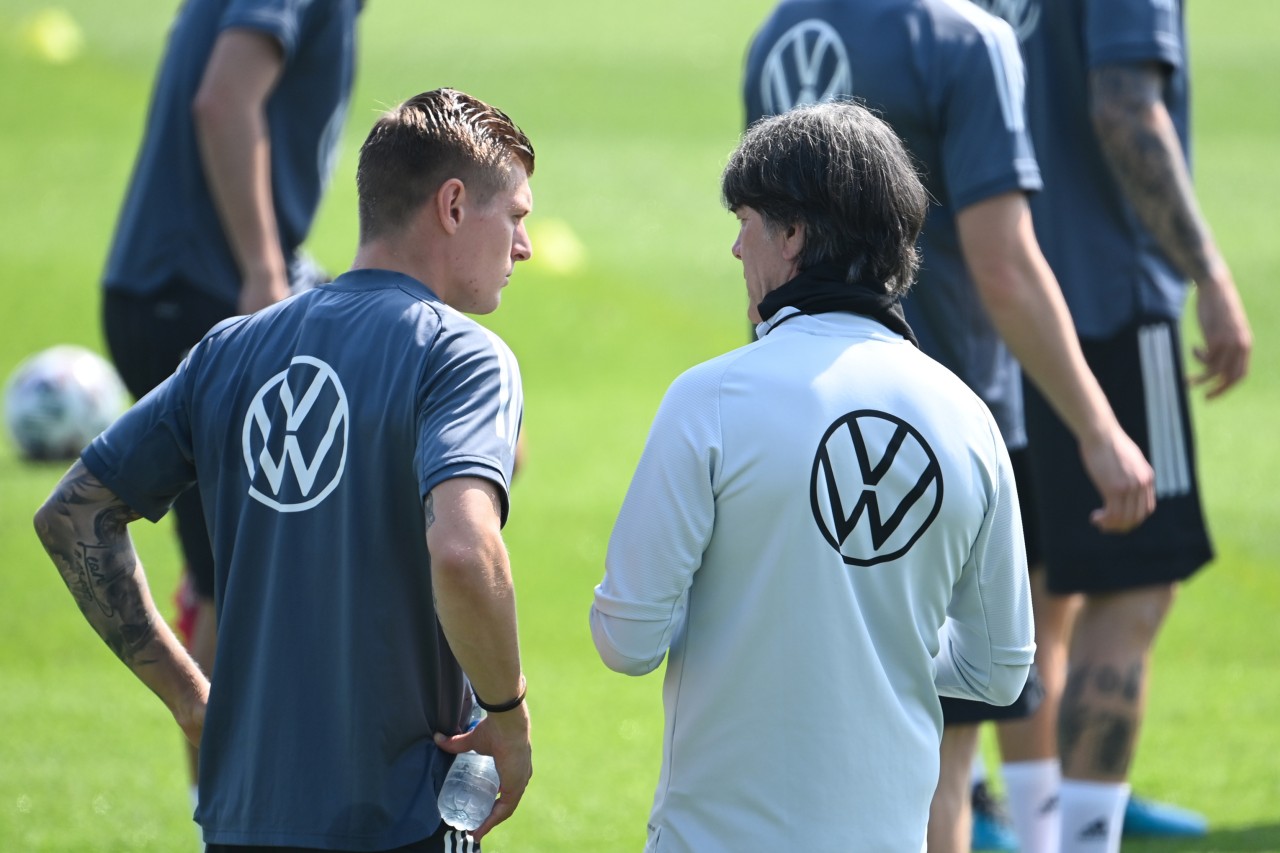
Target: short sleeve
{"x":1126,"y":31}
{"x":470,"y":410}
{"x":146,"y":456}
{"x":283,"y":20}
{"x":987,"y":148}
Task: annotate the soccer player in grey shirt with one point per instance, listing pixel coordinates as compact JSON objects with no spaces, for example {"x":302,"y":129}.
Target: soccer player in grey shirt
{"x":354,"y":446}
{"x":1121,"y":227}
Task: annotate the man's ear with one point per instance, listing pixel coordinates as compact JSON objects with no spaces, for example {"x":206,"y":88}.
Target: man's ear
{"x":793,"y":242}
{"x":450,"y":204}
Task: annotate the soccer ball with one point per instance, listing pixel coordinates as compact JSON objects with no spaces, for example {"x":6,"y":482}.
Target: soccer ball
{"x":59,"y":399}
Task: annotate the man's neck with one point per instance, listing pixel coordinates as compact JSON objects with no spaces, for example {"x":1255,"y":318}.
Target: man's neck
{"x":415,"y":262}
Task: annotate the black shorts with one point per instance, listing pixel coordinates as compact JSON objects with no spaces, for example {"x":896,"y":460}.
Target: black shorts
{"x":958,"y":712}
{"x":1140,"y":370}
{"x":1022,"y":478}
{"x":961,"y":711}
{"x":445,"y":840}
{"x":148,"y":336}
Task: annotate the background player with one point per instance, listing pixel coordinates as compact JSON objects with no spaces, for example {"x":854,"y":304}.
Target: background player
{"x":241,"y":138}
{"x":1122,"y":229}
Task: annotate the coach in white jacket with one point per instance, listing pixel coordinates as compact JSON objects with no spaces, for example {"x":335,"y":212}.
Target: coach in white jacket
{"x":823,"y":528}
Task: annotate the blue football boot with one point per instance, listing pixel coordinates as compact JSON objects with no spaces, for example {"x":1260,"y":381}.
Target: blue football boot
{"x":991,"y":829}
{"x":1149,"y":818}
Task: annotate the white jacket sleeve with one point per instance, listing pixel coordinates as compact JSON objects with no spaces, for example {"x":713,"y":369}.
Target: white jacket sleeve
{"x":661,"y":532}
{"x":987,"y":643}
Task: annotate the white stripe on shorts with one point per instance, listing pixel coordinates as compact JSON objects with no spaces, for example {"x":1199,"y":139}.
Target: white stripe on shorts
{"x":1168,"y":448}
{"x":456,"y":841}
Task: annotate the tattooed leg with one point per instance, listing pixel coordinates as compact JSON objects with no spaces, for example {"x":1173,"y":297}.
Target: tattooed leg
{"x":1105,"y":696}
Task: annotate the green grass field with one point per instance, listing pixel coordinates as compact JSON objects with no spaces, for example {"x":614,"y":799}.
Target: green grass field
{"x":633,"y":108}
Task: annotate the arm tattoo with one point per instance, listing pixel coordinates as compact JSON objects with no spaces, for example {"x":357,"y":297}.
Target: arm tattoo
{"x":429,"y":509}
{"x":1146,"y":158}
{"x":84,"y":528}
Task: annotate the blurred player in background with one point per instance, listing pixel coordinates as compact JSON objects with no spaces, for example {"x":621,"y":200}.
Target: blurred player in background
{"x":828,"y":487}
{"x":363,"y":588}
{"x":1122,"y":229}
{"x":948,"y":77}
{"x":241,"y":138}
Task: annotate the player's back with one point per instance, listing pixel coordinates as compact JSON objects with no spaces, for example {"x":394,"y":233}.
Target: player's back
{"x":904,"y":59}
{"x":319,"y":426}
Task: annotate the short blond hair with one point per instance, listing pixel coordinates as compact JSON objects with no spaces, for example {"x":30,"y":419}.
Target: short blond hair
{"x":424,"y":142}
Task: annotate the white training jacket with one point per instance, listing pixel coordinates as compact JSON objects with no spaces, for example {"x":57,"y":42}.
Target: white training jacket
{"x":823,"y":530}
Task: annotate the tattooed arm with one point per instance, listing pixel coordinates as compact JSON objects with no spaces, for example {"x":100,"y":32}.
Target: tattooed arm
{"x":1141,"y":145}
{"x":83,"y":527}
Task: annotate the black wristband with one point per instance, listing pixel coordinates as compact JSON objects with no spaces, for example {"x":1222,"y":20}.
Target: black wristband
{"x":505,"y":706}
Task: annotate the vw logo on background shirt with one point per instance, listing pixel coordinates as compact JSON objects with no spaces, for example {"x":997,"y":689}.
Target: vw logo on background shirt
{"x":876,"y":487}
{"x":296,"y":436}
{"x":807,"y":65}
{"x":1022,"y":15}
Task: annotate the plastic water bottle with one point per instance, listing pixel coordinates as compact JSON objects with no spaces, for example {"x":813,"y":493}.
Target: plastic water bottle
{"x":471,"y":786}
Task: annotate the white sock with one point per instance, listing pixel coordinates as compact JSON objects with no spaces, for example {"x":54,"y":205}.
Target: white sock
{"x":194,"y":790}
{"x":1092,"y":815}
{"x":978,"y":770}
{"x":1031,"y":790}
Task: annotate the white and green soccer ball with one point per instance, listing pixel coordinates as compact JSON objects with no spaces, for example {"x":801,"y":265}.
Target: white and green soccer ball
{"x":59,"y":399}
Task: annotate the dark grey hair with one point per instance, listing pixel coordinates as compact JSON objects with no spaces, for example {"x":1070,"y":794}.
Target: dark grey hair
{"x":843,"y":174}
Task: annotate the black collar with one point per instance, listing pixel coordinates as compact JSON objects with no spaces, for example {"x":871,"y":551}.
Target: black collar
{"x":824,"y":287}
